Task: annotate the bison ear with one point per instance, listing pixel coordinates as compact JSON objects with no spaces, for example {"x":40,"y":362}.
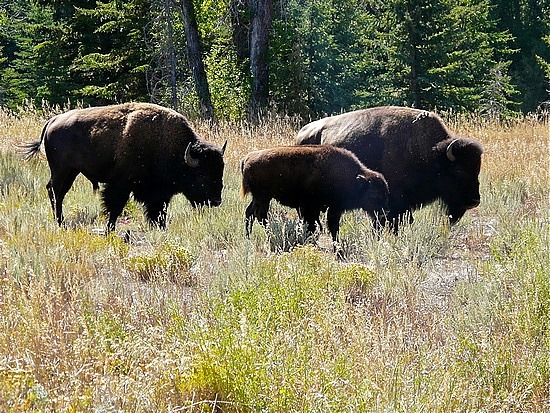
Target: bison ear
{"x":223,"y":147}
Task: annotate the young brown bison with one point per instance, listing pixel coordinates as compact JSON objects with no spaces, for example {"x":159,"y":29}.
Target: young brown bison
{"x":311,"y":179}
{"x":137,"y":148}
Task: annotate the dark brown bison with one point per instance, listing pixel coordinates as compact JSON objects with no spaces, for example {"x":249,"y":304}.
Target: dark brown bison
{"x":310,"y":179}
{"x":417,"y":154}
{"x":137,"y":148}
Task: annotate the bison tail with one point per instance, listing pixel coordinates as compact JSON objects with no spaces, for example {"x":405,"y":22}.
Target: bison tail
{"x":30,"y":149}
{"x":245,"y":190}
{"x":244,"y":187}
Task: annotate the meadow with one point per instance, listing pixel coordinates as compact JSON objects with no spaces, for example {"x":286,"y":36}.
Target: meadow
{"x":198,"y":318}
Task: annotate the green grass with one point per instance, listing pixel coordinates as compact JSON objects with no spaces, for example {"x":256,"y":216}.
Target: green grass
{"x":199,"y":318}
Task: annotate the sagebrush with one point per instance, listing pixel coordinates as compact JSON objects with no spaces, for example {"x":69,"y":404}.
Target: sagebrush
{"x":199,"y":318}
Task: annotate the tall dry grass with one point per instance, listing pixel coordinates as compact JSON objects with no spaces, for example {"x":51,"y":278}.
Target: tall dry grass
{"x":198,"y":318}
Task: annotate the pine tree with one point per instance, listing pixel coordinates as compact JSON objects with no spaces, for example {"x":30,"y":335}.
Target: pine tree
{"x":432,"y":54}
{"x":34,"y":45}
{"x":528,"y":23}
{"x":114,"y":63}
{"x":317,"y":56}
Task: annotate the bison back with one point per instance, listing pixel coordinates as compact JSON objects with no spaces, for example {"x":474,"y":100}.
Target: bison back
{"x":381,"y":136}
{"x":300,"y":174}
{"x":136,"y":140}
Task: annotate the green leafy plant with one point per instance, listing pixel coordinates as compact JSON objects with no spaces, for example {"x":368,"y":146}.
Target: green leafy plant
{"x":167,"y":262}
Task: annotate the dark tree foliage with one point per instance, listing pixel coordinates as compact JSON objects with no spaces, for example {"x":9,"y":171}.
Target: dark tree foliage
{"x":112,"y":63}
{"x":432,"y":54}
{"x":306,"y":57}
{"x":528,"y":23}
{"x":38,"y":51}
{"x":317,"y":56}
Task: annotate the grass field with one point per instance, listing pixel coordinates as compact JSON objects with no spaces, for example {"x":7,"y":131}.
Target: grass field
{"x":198,"y":318}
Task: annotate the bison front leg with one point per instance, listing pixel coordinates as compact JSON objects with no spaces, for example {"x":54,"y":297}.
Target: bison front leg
{"x":333,"y":223}
{"x":114,"y":198}
{"x":156,"y":213}
{"x":311,"y":218}
{"x":395,"y":221}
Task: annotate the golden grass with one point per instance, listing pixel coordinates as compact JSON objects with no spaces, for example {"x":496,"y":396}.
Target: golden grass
{"x":198,"y":318}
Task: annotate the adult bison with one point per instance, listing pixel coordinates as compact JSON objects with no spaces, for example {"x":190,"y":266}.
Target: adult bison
{"x":137,"y":148}
{"x":417,"y":154}
{"x":310,"y":179}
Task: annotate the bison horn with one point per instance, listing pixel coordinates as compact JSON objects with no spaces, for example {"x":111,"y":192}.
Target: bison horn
{"x":449,"y":152}
{"x":223,"y":147}
{"x":189,"y":160}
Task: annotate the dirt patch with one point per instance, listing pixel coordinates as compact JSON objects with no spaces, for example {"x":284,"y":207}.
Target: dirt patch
{"x":468,"y":248}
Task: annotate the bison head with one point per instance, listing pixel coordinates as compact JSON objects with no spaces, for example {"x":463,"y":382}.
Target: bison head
{"x":459,"y":163}
{"x":204,"y":165}
{"x":374,"y":192}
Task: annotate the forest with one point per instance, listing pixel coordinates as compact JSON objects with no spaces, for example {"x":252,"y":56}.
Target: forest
{"x":236,"y":59}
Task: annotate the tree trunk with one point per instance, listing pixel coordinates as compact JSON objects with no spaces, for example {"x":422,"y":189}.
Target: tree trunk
{"x":259,"y":42}
{"x":194,"y":57}
{"x":240,"y":25}
{"x":172,"y":54}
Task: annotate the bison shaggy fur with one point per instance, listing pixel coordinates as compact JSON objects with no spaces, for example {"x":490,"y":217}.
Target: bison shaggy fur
{"x":310,"y":179}
{"x":138,"y":148}
{"x":420,"y":158}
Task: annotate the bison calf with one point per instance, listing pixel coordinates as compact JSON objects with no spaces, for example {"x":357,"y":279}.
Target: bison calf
{"x":311,"y":179}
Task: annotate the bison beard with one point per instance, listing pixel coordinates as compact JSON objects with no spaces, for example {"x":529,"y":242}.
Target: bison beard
{"x":137,"y":148}
{"x":311,"y":179}
{"x":417,"y":154}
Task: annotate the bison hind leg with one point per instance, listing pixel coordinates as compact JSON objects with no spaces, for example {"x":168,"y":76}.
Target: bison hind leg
{"x":58,"y":186}
{"x":256,"y":210}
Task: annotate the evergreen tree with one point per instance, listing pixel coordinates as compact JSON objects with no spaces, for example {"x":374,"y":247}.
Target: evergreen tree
{"x":324,"y":56}
{"x":432,"y":54}
{"x":317,"y":56}
{"x":113,"y":64}
{"x":35,"y":59}
{"x":528,"y":23}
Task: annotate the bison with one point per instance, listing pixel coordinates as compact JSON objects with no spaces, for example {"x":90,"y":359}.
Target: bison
{"x":139,"y":148}
{"x":420,"y":158}
{"x":310,"y":179}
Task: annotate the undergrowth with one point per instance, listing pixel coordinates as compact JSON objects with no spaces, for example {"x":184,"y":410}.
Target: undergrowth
{"x":200,"y":318}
